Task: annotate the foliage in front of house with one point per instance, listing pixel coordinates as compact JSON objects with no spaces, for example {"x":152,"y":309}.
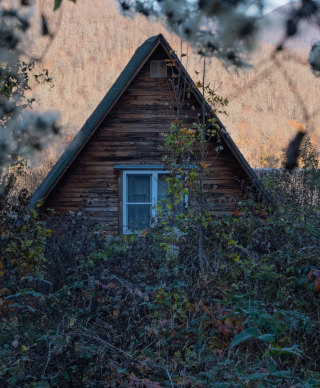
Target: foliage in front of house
{"x":77,"y":311}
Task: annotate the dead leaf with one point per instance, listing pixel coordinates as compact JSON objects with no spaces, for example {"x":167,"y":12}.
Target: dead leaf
{"x":228,"y":323}
{"x":236,"y":212}
{"x":15,"y":343}
{"x":116,"y":313}
{"x":137,"y":291}
{"x":204,"y":165}
{"x":188,"y":131}
{"x":223,"y":330}
{"x":86,"y":295}
{"x":101,"y":297}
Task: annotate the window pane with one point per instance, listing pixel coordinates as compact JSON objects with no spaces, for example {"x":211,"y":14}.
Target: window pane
{"x":162,"y":186}
{"x":138,"y":188}
{"x":138,"y":216}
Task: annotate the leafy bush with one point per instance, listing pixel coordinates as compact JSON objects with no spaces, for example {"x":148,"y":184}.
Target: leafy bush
{"x":128,"y":312}
{"x":81,"y":309}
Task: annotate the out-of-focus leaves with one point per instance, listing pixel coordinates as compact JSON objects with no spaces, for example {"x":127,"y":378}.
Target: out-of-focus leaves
{"x":44,"y":26}
{"x":267,"y":337}
{"x":57,"y":4}
{"x":293,"y":151}
{"x":291,"y":28}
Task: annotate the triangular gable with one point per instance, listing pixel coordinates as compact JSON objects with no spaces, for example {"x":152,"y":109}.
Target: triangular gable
{"x":135,"y":64}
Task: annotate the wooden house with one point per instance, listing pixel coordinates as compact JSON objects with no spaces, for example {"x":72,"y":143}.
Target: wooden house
{"x":112,"y":170}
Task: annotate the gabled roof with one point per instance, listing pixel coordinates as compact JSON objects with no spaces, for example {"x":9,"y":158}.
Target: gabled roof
{"x":136,"y":62}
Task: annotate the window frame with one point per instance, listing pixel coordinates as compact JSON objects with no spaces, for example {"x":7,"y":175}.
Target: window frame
{"x":159,"y":75}
{"x":154,"y":194}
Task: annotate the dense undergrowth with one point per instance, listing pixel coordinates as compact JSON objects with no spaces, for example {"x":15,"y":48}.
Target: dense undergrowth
{"x":78,"y":310}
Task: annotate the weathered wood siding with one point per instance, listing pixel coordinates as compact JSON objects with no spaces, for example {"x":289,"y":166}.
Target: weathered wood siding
{"x":130,"y":135}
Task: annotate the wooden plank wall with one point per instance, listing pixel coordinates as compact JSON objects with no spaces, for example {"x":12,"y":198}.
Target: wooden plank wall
{"x":130,"y":135}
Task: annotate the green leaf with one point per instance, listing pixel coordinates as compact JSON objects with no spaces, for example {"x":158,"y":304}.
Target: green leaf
{"x":267,"y":354}
{"x":246,"y":334}
{"x":57,"y":4}
{"x":253,"y":331}
{"x":272,"y":367}
{"x":252,"y":292}
{"x":103,"y":255}
{"x":37,"y":294}
{"x":293,"y":350}
{"x":240,"y":338}
{"x":302,"y":281}
{"x":258,"y":376}
{"x":267,"y":337}
{"x":282,"y":373}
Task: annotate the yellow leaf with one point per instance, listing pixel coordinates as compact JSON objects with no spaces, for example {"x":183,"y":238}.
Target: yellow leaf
{"x":24,"y":348}
{"x":204,"y":165}
{"x":167,"y":60}
{"x":144,"y":234}
{"x":188,"y":131}
{"x":72,"y":322}
{"x":77,"y":347}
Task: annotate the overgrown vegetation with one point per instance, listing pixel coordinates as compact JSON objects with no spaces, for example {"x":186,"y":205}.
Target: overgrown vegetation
{"x":82,"y":310}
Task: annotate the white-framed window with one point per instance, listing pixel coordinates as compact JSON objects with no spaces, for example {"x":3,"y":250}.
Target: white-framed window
{"x":141,"y":191}
{"x":158,"y":69}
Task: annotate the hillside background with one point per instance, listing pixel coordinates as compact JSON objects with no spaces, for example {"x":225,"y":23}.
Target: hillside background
{"x":94,"y":43}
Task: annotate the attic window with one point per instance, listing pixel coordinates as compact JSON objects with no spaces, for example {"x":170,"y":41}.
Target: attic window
{"x":158,"y":69}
